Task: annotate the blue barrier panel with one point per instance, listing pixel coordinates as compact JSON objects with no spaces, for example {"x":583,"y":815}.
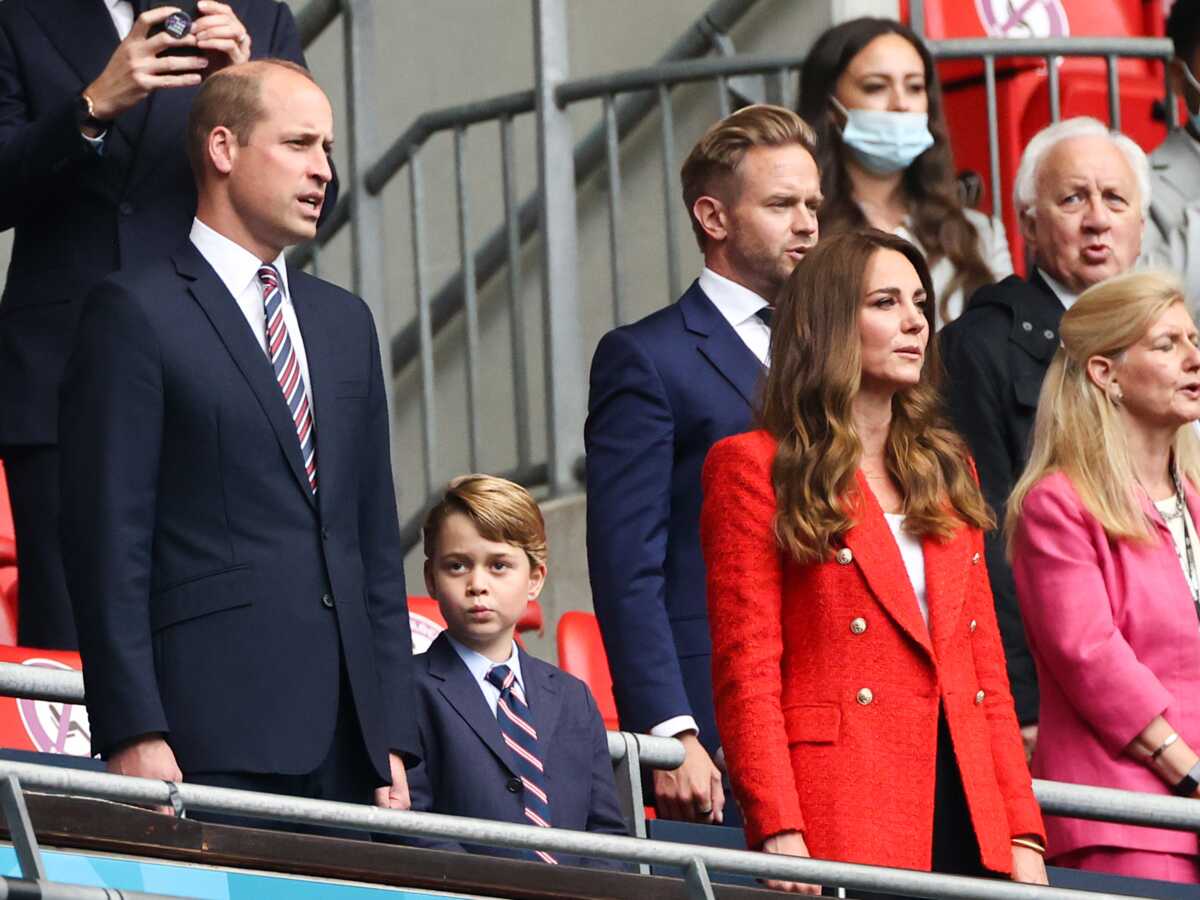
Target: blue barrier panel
{"x":205,"y":882}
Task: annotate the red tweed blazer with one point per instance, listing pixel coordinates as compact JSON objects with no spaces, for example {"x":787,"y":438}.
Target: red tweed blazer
{"x":827,"y":680}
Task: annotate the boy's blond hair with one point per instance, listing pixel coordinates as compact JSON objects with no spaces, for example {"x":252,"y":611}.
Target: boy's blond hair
{"x":500,"y":510}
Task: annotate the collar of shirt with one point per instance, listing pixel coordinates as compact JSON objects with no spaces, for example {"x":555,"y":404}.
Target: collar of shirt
{"x":236,"y":266}
{"x":480,"y":665}
{"x":736,"y":303}
{"x":1065,"y":297}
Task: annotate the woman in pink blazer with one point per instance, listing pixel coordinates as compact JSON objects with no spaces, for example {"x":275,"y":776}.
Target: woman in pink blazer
{"x":1102,"y":535}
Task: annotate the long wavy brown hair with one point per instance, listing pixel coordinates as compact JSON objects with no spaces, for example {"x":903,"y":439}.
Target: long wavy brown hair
{"x":934,"y":205}
{"x":807,"y":402}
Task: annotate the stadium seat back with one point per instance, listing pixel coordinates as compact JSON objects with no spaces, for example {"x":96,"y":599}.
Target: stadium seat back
{"x":581,"y":652}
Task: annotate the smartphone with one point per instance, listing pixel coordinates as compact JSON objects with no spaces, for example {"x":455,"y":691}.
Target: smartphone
{"x":178,"y":25}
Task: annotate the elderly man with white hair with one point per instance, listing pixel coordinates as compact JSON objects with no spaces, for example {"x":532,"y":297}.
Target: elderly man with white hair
{"x":1081,"y":196}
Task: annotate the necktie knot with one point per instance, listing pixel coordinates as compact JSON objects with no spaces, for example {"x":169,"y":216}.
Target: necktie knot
{"x":501,"y":677}
{"x":268,"y":276}
{"x":765,"y":314}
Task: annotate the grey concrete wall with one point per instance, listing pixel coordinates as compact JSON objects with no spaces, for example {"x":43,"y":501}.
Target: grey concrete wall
{"x":437,"y":54}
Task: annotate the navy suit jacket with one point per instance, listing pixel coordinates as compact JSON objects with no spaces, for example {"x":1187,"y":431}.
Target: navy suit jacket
{"x":78,"y":215}
{"x":216,"y":597}
{"x":467,"y":771}
{"x":663,"y":391}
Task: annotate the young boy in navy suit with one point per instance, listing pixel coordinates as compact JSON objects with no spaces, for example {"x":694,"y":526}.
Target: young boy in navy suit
{"x":504,"y":735}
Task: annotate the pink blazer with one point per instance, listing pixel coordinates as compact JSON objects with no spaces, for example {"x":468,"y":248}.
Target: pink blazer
{"x":1114,"y":634}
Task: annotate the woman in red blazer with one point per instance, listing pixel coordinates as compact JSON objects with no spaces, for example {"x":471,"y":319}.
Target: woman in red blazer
{"x":859,"y":678}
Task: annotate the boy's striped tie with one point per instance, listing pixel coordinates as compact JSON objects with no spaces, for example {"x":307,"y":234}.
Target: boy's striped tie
{"x":287,"y":371}
{"x":516,"y":728}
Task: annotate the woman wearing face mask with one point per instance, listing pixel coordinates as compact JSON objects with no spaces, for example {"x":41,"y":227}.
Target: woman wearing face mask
{"x":852,"y":623}
{"x":1106,"y":556}
{"x":869,"y":89}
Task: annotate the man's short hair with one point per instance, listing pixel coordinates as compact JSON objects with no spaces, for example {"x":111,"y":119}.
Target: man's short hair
{"x":1183,"y":28}
{"x":1036,"y":151}
{"x":501,"y":511}
{"x":231,"y":98}
{"x":717,"y":155}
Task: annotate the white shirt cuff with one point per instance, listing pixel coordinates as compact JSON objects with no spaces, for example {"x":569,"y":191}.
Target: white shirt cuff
{"x":674,"y":726}
{"x":97,"y":142}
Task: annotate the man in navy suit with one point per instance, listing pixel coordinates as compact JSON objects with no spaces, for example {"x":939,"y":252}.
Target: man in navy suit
{"x":93,"y":177}
{"x":504,"y":736}
{"x":229,"y":522}
{"x":664,"y":390}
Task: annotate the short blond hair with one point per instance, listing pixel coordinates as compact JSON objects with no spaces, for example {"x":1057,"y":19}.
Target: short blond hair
{"x":501,"y":511}
{"x":717,"y":155}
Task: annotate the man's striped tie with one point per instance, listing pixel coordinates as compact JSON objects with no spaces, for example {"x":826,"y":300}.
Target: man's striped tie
{"x":287,"y":371}
{"x":516,"y":728}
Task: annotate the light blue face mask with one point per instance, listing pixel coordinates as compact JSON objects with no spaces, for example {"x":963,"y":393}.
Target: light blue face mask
{"x":884,"y":141}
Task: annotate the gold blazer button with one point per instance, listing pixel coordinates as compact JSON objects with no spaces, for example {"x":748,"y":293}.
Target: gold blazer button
{"x":864,"y":696}
{"x":858,"y":626}
{"x":845,"y":556}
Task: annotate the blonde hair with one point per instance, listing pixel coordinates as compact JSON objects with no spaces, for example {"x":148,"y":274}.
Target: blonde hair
{"x":807,"y":403}
{"x":1078,"y":430}
{"x":717,"y":155}
{"x":500,"y":510}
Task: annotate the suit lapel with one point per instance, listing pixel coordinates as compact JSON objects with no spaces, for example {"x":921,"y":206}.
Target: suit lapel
{"x":83,"y":32}
{"x":223,"y":312}
{"x":947,"y":569}
{"x":719,"y":343}
{"x":878,"y":557}
{"x":465,"y":697}
{"x":544,"y":698}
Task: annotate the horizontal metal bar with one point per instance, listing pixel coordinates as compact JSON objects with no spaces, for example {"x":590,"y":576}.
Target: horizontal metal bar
{"x":1138,"y":48}
{"x":671,"y":73}
{"x":314,"y":17}
{"x":1111,"y":805}
{"x":503,"y":834}
{"x":19,"y":889}
{"x":445,"y":119}
{"x":38,"y":683}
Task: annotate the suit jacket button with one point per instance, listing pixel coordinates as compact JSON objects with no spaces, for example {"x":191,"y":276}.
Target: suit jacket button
{"x":327,"y":600}
{"x":845,"y":556}
{"x":513,"y":785}
{"x":972,"y":625}
{"x":125,"y":209}
{"x":858,"y":626}
{"x":864,"y":696}
{"x":324,"y":534}
{"x":979,"y":698}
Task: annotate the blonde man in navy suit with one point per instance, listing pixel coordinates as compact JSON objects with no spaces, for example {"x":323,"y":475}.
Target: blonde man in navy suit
{"x":504,"y":735}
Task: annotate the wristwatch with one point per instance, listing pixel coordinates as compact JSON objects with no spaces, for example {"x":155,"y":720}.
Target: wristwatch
{"x":85,"y":114}
{"x":1188,"y":784}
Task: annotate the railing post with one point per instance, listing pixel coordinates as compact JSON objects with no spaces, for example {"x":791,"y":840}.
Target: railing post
{"x":20,"y":830}
{"x":366,"y":219}
{"x":560,"y":269}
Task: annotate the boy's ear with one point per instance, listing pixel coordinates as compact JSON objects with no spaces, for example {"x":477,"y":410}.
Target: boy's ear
{"x":429,"y":588}
{"x":537,"y":580}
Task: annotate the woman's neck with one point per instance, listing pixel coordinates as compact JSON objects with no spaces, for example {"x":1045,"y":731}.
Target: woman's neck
{"x":872,"y":417}
{"x":1150,"y":453}
{"x":882,"y":198}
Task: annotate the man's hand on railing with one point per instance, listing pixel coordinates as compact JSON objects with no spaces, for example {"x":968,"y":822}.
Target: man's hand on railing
{"x":693,"y":792}
{"x":148,"y":756}
{"x":394,"y":795}
{"x":789,"y":843}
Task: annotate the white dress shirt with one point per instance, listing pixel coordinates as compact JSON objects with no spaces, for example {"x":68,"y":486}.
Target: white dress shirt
{"x":122,"y":16}
{"x":480,"y":665}
{"x":238,"y":269}
{"x":1065,"y":297}
{"x":738,"y":305}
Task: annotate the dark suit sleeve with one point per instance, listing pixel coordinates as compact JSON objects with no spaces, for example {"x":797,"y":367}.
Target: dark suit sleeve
{"x":110,"y":436}
{"x":630,"y":440}
{"x":383,"y":565}
{"x":421,"y":779}
{"x":34,"y":152}
{"x":976,"y":376}
{"x":604,"y":813}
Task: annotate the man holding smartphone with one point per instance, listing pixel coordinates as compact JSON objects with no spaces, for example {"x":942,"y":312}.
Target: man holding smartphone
{"x":93,"y":176}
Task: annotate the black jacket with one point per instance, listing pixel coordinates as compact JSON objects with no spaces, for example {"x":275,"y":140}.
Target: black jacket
{"x":996,"y":355}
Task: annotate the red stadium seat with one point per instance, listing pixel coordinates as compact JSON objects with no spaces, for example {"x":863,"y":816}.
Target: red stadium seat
{"x":581,"y":652}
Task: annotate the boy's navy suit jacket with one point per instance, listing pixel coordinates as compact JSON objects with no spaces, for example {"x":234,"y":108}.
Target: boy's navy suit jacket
{"x":467,"y":770}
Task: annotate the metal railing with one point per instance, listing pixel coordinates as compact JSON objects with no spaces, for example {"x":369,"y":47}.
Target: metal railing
{"x":625,"y":99}
{"x":695,"y":860}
